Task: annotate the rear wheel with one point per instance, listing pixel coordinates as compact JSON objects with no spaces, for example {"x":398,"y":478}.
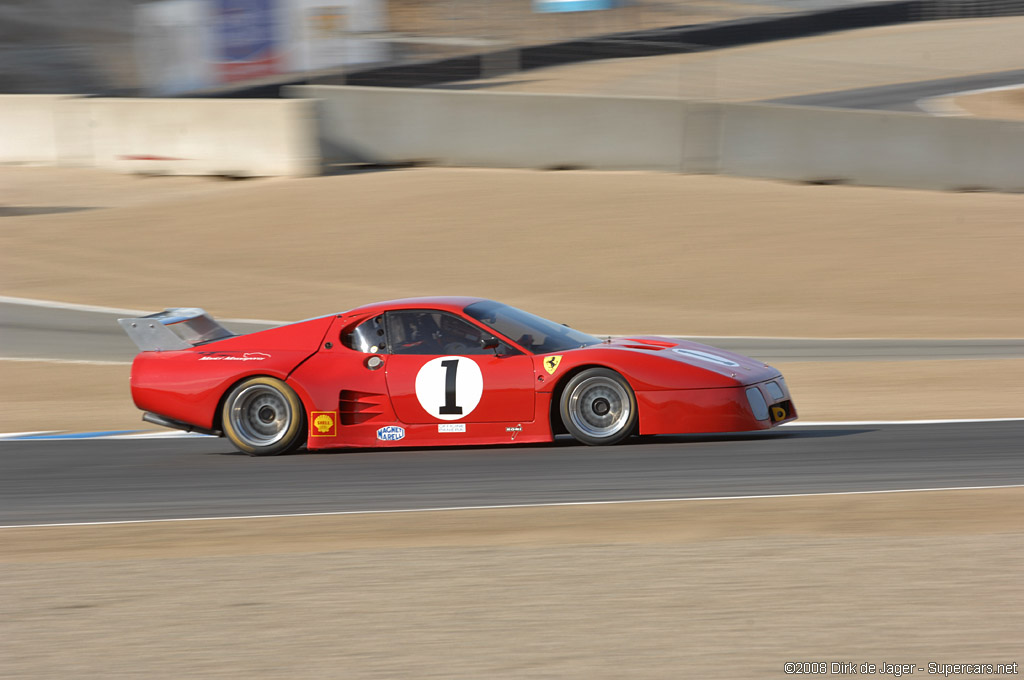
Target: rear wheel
{"x":262,"y":416}
{"x":598,"y":407}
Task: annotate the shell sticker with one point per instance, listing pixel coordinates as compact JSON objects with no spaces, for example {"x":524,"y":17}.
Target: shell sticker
{"x":325,"y":423}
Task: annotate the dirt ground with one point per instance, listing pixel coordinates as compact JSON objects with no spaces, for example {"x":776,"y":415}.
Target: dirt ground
{"x":1004,"y":104}
{"x":712,"y":589}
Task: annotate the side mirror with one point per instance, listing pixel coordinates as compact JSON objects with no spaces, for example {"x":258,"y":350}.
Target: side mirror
{"x":491,"y":342}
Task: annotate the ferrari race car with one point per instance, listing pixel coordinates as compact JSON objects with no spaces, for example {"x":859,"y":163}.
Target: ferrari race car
{"x":438,"y":371}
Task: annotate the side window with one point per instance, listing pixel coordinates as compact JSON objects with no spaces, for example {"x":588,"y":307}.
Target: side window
{"x":436,"y":333}
{"x":414,"y":332}
{"x":367,"y":337}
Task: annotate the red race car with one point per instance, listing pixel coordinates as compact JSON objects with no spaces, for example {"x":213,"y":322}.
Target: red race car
{"x":439,"y":371}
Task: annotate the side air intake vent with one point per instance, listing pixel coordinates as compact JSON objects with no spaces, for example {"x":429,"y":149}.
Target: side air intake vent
{"x":359,"y":407}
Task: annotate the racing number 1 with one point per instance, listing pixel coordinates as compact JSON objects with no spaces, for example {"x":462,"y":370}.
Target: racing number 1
{"x":451,"y":367}
{"x":449,"y":387}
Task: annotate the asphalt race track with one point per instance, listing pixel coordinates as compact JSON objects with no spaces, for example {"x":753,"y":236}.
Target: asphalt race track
{"x":45,"y":482}
{"x":904,"y":96}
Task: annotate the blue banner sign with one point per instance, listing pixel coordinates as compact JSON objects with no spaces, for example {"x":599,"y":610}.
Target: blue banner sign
{"x":572,"y":5}
{"x":247,"y":39}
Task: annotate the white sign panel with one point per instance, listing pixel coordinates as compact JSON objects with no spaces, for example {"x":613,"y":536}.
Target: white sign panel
{"x":332,"y":33}
{"x":172,"y":46}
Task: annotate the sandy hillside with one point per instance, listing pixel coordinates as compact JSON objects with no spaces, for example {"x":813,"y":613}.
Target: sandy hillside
{"x":605,"y":252}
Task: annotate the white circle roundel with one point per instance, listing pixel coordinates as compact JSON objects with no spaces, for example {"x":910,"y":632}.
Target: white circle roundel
{"x":449,"y":388}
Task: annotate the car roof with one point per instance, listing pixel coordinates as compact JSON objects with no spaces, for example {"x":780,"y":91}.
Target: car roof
{"x":441,"y":302}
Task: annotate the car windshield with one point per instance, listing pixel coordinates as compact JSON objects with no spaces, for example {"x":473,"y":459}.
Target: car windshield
{"x":534,"y":333}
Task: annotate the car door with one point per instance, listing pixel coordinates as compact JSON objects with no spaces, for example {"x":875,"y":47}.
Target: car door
{"x":440,"y":371}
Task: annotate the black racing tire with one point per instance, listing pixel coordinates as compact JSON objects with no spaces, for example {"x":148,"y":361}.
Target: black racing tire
{"x":262,"y":416}
{"x":598,"y":407}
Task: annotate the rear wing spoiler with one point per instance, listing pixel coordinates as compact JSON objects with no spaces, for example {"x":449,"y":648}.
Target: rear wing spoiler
{"x":174,"y":328}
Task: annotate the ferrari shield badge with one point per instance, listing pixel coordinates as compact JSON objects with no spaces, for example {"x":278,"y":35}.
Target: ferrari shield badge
{"x":551,"y":363}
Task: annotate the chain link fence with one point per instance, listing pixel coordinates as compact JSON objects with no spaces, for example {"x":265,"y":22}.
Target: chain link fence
{"x":968,"y":9}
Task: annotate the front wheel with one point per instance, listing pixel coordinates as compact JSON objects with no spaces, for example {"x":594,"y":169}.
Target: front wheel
{"x":262,"y":416}
{"x":598,"y":407}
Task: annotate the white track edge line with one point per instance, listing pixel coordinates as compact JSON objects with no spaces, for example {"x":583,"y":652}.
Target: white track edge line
{"x":514,"y":506}
{"x":950,"y":421}
{"x":160,"y":434}
{"x":54,"y":304}
{"x":86,"y":362}
{"x":74,"y":306}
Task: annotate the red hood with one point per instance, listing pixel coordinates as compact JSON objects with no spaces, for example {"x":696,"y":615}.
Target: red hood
{"x":723,"y":362}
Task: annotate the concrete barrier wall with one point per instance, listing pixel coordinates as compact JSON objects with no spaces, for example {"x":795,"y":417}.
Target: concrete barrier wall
{"x":233,"y":137}
{"x":363,"y":124}
{"x":204,"y":136}
{"x":871,"y":148}
{"x":753,"y":140}
{"x":356,"y":124}
{"x":30,"y":127}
